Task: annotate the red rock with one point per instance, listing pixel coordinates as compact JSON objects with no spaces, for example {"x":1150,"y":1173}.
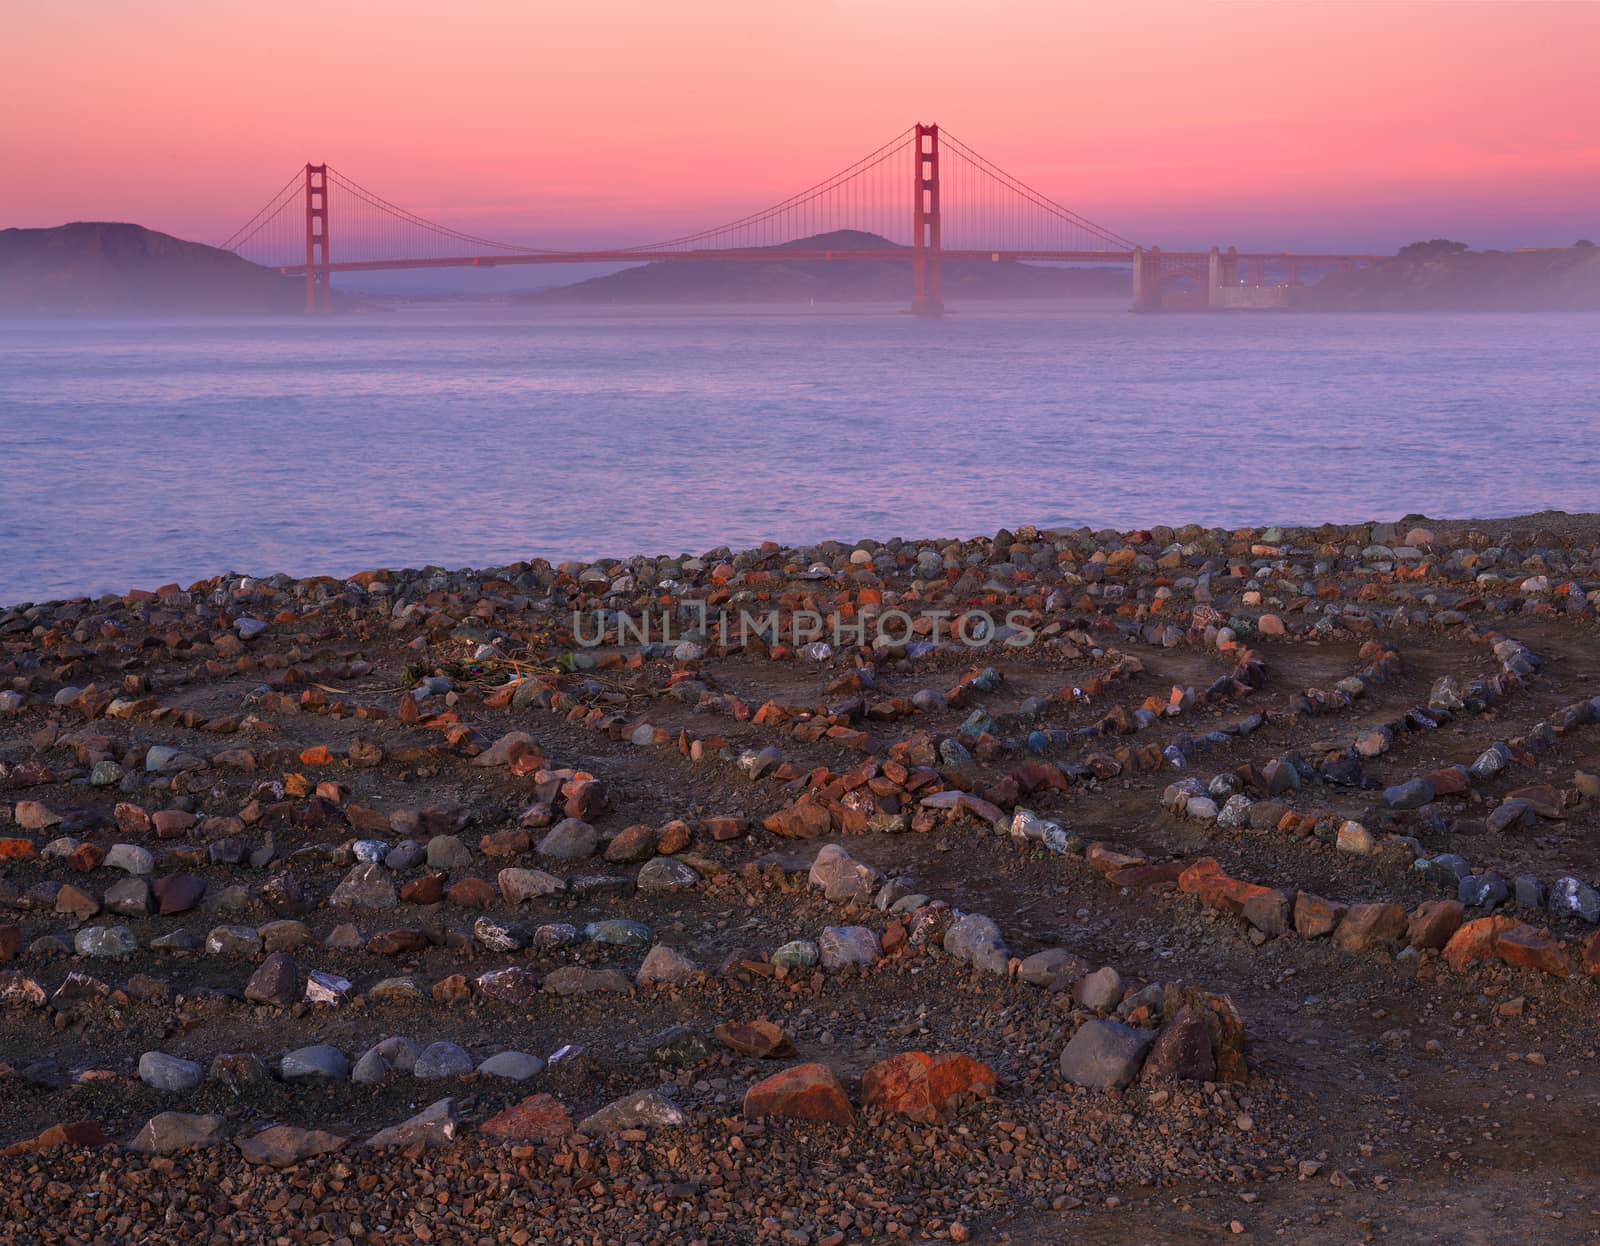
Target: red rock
{"x":472,"y":893}
{"x":894,"y":936}
{"x":10,"y":942}
{"x":1433,"y":922}
{"x":1369,"y":926}
{"x":1523,"y":947}
{"x":86,"y":858}
{"x":805,"y":819}
{"x":1591,"y":956}
{"x":1228,"y":895}
{"x":924,"y":1087}
{"x":1162,"y":875}
{"x":538,"y":1118}
{"x":1475,"y":940}
{"x":319,"y":755}
{"x":397,"y":942}
{"x":1109,"y":858}
{"x":452,"y":990}
{"x":1189,"y":881}
{"x":429,"y":889}
{"x":507,"y":843}
{"x":634,"y":843}
{"x":675,"y":836}
{"x":131,"y":819}
{"x":171,"y":823}
{"x":1314,"y":917}
{"x":18,"y":850}
{"x":807,"y":1092}
{"x":72,"y":1134}
{"x":761,"y":1039}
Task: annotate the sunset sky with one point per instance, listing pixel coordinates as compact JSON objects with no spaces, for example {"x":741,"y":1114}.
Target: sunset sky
{"x":1344,"y":125}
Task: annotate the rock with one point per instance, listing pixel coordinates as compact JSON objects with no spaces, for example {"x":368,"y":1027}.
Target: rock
{"x":1103,"y":1054}
{"x":797,"y":954}
{"x":130,"y":859}
{"x":284,"y":1145}
{"x":434,"y":1126}
{"x":805,"y":819}
{"x":441,"y":1060}
{"x":1412,"y":794}
{"x":538,"y":1118}
{"x":632,"y":845}
{"x":105,"y":942}
{"x":327,"y":989}
{"x":1522,"y":947}
{"x":666,"y":874}
{"x":518,"y":885}
{"x":163,"y":1072}
{"x":967,"y":934}
{"x":242,"y":941}
{"x":664,"y":965}
{"x":1054,"y":968}
{"x":314,"y":1062}
{"x":617,"y":932}
{"x":1475,"y":940}
{"x":1314,"y":917}
{"x":569,"y":840}
{"x":499,"y":936}
{"x":761,"y":1039}
{"x":924,"y":1087}
{"x":840,"y":946}
{"x":1369,"y":926}
{"x":516,"y":1066}
{"x":177,"y":1131}
{"x":1356,"y":840}
{"x":447,"y":852}
{"x":1570,"y":897}
{"x":802,"y":1092}
{"x":1487,"y":890}
{"x":645,"y":1110}
{"x":1270,"y":912}
{"x":371,"y":1069}
{"x":177,"y":893}
{"x":276,"y":982}
{"x":1183,"y":1051}
{"x":368,"y":886}
{"x":1099,"y":990}
{"x":236,"y":1069}
{"x":841,"y":878}
{"x":1433,"y":923}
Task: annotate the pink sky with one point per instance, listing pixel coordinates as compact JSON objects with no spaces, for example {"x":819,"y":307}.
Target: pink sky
{"x":1270,"y":124}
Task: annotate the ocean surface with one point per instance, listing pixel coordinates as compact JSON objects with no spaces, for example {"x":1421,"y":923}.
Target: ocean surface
{"x":137,"y":453}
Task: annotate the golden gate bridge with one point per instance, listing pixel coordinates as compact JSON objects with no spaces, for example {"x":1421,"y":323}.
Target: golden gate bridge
{"x":927,"y":193}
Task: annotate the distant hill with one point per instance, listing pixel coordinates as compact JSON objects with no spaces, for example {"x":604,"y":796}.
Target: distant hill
{"x":1555,"y":279}
{"x":797,"y":281}
{"x":112,"y":269}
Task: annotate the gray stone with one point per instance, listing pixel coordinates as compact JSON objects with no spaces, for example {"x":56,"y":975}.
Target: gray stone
{"x":130,"y":859}
{"x":128,"y":897}
{"x":441,"y":1060}
{"x":1487,"y":890}
{"x":644,"y":1110}
{"x":571,"y":839}
{"x":797,"y":954}
{"x":840,"y":946}
{"x":1103,"y":1054}
{"x":1575,"y":898}
{"x":317,"y":1061}
{"x":1099,"y":990}
{"x":371,"y":1069}
{"x":404,"y":855}
{"x":499,"y":936}
{"x":276,"y":982}
{"x":1412,"y":794}
{"x":618,"y":932}
{"x":164,"y":1072}
{"x":1510,"y":814}
{"x":516,"y":1066}
{"x":841,"y":878}
{"x":967,"y":934}
{"x":666,"y":874}
{"x":233,"y":941}
{"x":284,"y":1145}
{"x":582,"y":980}
{"x":1054,"y":968}
{"x":1528,"y":891}
{"x":367,"y":886}
{"x":1447,"y":870}
{"x":326,"y":988}
{"x":434,"y":1126}
{"x":399,"y":1051}
{"x":105,"y":942}
{"x":446,"y":852}
{"x":518,"y":885}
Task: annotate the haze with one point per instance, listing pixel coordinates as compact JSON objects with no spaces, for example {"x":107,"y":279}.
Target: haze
{"x":1307,"y":125}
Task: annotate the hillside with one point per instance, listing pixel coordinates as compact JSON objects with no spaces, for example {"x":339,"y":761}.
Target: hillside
{"x":1556,"y":279}
{"x":113,"y":269}
{"x":797,"y":281}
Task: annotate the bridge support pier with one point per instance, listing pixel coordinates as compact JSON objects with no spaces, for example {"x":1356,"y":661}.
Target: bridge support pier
{"x":319,"y":295}
{"x":1146,"y":279}
{"x":1222,"y":273}
{"x":927,"y":292}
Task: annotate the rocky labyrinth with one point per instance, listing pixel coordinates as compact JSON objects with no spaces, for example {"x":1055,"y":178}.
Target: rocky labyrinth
{"x":1239,"y":886}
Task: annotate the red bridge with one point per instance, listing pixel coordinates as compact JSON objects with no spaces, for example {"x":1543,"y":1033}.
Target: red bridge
{"x":960,"y":207}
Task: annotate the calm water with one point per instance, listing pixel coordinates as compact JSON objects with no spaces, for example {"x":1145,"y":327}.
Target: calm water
{"x":132,"y":454}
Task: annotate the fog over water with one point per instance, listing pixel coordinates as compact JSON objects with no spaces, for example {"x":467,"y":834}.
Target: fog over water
{"x":137,"y":453}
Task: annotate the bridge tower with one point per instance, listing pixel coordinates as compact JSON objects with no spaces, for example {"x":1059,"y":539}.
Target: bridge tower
{"x":318,"y":289}
{"x":927,"y":293}
{"x":1147,"y":279}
